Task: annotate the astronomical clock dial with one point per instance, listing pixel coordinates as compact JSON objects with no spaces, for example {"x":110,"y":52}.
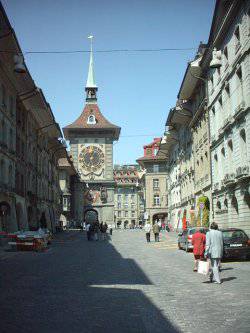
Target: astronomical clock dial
{"x":92,"y":158}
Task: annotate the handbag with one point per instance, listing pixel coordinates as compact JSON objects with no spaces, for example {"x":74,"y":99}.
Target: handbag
{"x":203,"y":267}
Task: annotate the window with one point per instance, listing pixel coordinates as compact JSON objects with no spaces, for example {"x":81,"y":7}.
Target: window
{"x":119,"y":214}
{"x":156,"y":168}
{"x":227,"y":89}
{"x":225,"y":52}
{"x":126,"y":198}
{"x":239,"y":73}
{"x":126,"y":213}
{"x":156,"y":200}
{"x":155,"y":183}
{"x":132,"y":197}
{"x":133,"y":214}
{"x":91,"y":120}
{"x":65,"y":201}
{"x":3,"y":99}
{"x":237,"y":38}
{"x":243,"y":145}
{"x":119,"y":205}
{"x":119,"y":198}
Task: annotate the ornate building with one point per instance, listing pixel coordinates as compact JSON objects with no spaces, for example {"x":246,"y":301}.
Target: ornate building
{"x":154,"y":182}
{"x":29,"y":145}
{"x":91,"y":139}
{"x":129,"y":201}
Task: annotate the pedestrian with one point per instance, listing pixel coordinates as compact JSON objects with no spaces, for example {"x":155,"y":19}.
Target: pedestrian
{"x":148,"y":228}
{"x":199,"y":244}
{"x":88,"y":231}
{"x":159,"y":224}
{"x":103,"y":230}
{"x":156,"y":230}
{"x":95,"y":230}
{"x":110,"y":229}
{"x":214,"y":251}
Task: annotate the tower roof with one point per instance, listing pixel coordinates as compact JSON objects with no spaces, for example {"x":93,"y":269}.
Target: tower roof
{"x":91,"y":77}
{"x":97,"y":122}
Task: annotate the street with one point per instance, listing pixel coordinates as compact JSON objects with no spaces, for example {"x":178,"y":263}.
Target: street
{"x":119,"y":285}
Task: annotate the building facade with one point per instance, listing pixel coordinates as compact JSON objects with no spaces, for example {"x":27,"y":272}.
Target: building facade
{"x":229,"y":115}
{"x":29,"y":145}
{"x":91,"y":139}
{"x":155,"y":184}
{"x":128,"y":198}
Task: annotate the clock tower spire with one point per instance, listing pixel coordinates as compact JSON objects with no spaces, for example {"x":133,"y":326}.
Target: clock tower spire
{"x":91,"y":87}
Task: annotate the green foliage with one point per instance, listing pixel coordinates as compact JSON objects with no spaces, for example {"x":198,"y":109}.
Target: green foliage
{"x":203,"y":213}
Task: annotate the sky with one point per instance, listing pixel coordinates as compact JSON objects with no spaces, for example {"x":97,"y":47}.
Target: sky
{"x":135,"y":89}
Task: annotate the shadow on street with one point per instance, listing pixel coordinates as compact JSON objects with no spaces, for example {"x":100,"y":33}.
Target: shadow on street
{"x":77,"y":286}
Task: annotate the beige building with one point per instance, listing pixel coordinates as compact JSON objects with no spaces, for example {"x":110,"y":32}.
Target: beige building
{"x":128,"y":197}
{"x":68,"y":178}
{"x":29,"y":145}
{"x":155,"y":183}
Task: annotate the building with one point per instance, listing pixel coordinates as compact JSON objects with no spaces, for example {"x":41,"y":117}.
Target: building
{"x":29,"y":145}
{"x":128,"y":198}
{"x":68,"y":178}
{"x":91,"y":139}
{"x":155,"y":182}
{"x":229,"y":112}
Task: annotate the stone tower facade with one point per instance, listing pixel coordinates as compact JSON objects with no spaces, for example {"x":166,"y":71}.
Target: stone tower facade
{"x":91,"y":139}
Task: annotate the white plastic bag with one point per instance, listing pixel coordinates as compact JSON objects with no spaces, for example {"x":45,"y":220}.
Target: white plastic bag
{"x":203,"y":267}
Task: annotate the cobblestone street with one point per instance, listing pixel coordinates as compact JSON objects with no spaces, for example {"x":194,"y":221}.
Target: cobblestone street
{"x":119,"y":285}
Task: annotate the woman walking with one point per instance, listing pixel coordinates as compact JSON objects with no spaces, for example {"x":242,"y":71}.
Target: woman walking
{"x":199,"y":243}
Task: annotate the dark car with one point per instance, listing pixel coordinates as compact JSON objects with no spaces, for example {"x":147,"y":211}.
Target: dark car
{"x":236,"y":244}
{"x":185,"y":238}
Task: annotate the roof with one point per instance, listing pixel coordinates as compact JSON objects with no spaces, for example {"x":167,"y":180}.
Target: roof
{"x":151,"y":158}
{"x":81,"y":123}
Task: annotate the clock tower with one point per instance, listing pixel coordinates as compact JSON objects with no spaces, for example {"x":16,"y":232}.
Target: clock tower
{"x":91,"y":139}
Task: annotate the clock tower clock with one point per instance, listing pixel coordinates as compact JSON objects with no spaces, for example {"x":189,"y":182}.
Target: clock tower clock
{"x":91,"y":139}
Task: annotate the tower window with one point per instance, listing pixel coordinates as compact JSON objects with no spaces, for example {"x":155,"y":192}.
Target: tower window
{"x":91,"y":120}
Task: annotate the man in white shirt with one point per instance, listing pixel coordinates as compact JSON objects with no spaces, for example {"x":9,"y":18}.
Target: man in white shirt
{"x":147,"y":229}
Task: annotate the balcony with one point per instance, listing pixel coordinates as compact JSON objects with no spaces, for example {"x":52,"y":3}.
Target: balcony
{"x":242,"y":172}
{"x":229,"y":179}
{"x":239,"y":111}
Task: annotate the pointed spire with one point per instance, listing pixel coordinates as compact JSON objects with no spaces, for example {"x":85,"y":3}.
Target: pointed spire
{"x":91,"y":77}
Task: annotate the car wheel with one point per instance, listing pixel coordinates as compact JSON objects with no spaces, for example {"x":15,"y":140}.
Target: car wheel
{"x":186,"y":247}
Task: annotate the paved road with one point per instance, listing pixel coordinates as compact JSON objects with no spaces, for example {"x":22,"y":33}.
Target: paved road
{"x":120,"y":285}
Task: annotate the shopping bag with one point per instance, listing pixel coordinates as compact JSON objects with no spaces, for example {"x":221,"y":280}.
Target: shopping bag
{"x":203,"y":267}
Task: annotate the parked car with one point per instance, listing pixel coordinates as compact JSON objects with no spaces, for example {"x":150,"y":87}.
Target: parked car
{"x":185,"y":238}
{"x":236,"y":244}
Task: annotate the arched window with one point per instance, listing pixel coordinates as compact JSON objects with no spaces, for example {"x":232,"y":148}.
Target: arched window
{"x":243,"y":145}
{"x":91,"y":120}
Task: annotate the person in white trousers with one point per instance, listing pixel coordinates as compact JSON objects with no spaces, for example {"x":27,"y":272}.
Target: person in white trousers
{"x":214,"y":251}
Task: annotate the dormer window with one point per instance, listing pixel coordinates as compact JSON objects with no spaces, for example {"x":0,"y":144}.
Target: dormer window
{"x":91,"y":120}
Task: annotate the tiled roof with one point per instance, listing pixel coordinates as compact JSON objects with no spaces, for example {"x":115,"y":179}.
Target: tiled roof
{"x":101,"y":121}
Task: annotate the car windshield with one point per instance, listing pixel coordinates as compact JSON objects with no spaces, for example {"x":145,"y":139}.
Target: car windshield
{"x":234,"y":234}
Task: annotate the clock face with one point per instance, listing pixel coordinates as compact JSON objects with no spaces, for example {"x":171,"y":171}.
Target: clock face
{"x":92,"y":158}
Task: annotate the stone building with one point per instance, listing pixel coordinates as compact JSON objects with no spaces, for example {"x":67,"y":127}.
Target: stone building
{"x":192,"y":97}
{"x":229,"y":116}
{"x":29,"y":145}
{"x":176,"y":145}
{"x":128,"y":198}
{"x":68,"y":178}
{"x":154,"y":182}
{"x":91,"y":139}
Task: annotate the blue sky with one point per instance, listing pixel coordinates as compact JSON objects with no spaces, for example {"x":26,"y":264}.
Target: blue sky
{"x":136,"y":90}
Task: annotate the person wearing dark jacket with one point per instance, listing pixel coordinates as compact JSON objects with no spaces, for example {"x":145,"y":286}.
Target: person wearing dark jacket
{"x":156,"y":231}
